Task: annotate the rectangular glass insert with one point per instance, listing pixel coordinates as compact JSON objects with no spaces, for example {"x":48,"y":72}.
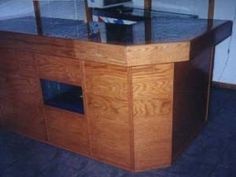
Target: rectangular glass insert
{"x":61,"y":95}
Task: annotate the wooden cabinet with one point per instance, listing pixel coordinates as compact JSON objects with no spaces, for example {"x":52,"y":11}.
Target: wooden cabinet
{"x":135,"y":117}
{"x":143,"y":104}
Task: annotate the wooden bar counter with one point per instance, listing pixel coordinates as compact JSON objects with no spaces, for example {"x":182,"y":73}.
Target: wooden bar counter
{"x":145,"y":86}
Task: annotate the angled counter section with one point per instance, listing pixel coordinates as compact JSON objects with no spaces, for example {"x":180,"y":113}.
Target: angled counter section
{"x":144,"y":87}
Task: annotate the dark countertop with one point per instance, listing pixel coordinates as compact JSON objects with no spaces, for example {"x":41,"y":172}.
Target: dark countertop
{"x":162,"y":29}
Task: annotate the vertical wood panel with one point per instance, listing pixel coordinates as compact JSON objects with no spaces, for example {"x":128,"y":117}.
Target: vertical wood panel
{"x":190,"y":99}
{"x":8,"y":68}
{"x":152,"y":114}
{"x":68,"y":130}
{"x":107,"y":94}
{"x":23,"y":102}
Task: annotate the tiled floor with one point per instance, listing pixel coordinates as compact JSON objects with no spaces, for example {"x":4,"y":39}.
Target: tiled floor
{"x":212,"y":154}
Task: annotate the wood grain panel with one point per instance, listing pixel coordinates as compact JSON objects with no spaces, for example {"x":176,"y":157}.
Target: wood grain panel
{"x":8,"y":62}
{"x":67,"y":129}
{"x":8,"y":68}
{"x":8,"y":113}
{"x":84,"y":50}
{"x":106,"y":79}
{"x":102,"y":53}
{"x":193,"y":75}
{"x":157,"y":53}
{"x":108,"y":109}
{"x":152,"y":115}
{"x":59,"y":68}
{"x":30,"y":119}
{"x":38,"y":44}
{"x":21,"y":109}
{"x":190,"y":99}
{"x":106,"y":92}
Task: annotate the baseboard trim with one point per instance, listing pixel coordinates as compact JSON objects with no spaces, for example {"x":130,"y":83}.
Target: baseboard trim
{"x":223,"y":85}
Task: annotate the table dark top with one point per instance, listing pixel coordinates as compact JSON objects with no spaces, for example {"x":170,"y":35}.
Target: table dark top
{"x":163,"y":29}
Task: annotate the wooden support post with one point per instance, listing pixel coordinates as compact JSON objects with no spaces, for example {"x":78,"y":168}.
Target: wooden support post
{"x":37,"y":13}
{"x":88,"y":12}
{"x":211,"y":8}
{"x":148,"y":21}
{"x":148,"y":5}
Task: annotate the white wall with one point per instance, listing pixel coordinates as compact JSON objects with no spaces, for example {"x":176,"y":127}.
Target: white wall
{"x":225,"y":56}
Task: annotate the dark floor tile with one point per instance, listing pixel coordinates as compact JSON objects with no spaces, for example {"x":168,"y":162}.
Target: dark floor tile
{"x":97,"y":169}
{"x":21,"y":168}
{"x":59,"y":170}
{"x":71,"y":159}
{"x":223,"y":172}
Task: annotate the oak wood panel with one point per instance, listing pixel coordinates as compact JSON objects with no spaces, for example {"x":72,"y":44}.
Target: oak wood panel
{"x":190,"y":99}
{"x":59,"y":69}
{"x":30,"y":119}
{"x":67,"y":129}
{"x":157,"y":53}
{"x":106,"y":79}
{"x":106,"y":92}
{"x":22,"y":95}
{"x":98,"y":52}
{"x":152,"y":115}
{"x":110,"y":139}
{"x":83,"y":50}
{"x":38,"y":44}
{"x":8,"y":69}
